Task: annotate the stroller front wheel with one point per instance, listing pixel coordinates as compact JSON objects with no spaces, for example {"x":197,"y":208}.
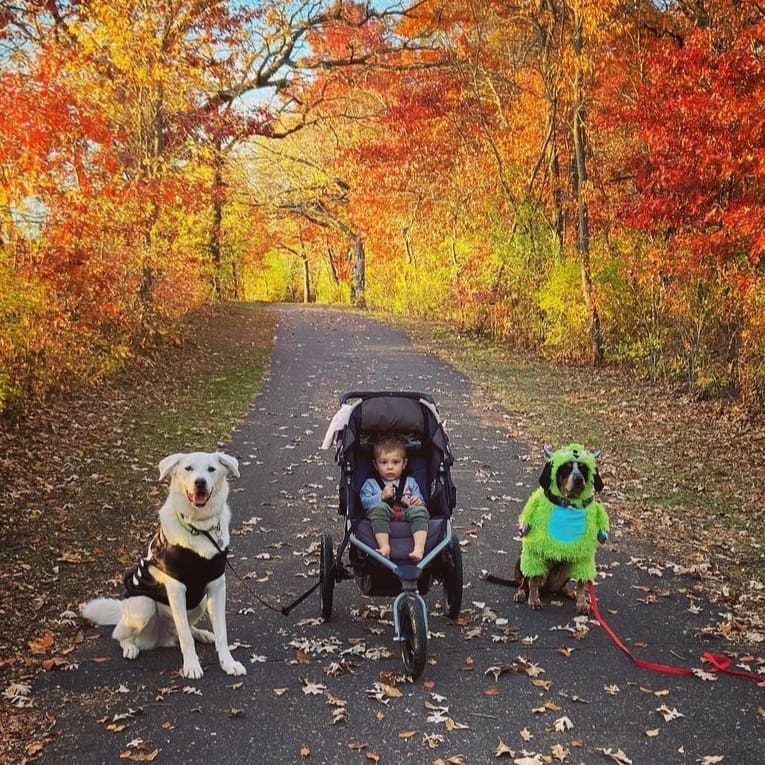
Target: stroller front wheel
{"x":414,"y":636}
{"x":326,"y":576}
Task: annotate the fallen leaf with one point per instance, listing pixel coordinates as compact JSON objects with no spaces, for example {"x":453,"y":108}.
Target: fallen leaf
{"x":139,"y":756}
{"x":339,"y":715}
{"x":617,"y":756}
{"x":669,"y":714}
{"x":41,"y":644}
{"x":502,"y":749}
{"x":652,"y":733}
{"x":497,"y":670}
{"x":563,"y":724}
{"x":312,"y":689}
{"x":33,"y":749}
{"x":535,"y":759}
{"x":559,"y":752}
{"x":305,"y":752}
{"x":432,"y":740}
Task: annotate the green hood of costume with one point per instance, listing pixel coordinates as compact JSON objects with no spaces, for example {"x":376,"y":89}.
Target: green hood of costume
{"x":572,"y":452}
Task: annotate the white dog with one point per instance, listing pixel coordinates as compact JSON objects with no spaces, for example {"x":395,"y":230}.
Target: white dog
{"x":183,"y":572}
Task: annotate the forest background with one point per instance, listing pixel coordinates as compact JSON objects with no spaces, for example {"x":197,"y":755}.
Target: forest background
{"x":578,"y":179}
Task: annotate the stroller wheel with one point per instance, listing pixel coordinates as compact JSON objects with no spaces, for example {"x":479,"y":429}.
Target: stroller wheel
{"x":326,"y":576}
{"x":414,"y":637}
{"x":453,"y":579}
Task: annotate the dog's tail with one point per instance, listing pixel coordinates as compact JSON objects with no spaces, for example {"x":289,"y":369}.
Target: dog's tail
{"x":102,"y":611}
{"x":501,"y":580}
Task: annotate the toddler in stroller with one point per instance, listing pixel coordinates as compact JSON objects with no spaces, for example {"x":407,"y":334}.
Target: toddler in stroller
{"x":393,"y":495}
{"x":396,"y":566}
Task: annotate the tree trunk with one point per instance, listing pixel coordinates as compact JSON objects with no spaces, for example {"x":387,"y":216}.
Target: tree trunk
{"x":332,"y":266}
{"x":306,"y":278}
{"x":558,"y":221}
{"x":216,"y":247}
{"x":359,"y":267}
{"x":580,"y":181}
{"x":408,"y":247}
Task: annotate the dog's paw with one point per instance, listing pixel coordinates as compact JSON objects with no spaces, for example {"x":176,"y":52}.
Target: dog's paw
{"x":192,"y":670}
{"x":232,"y":667}
{"x":520,"y":596}
{"x":583,"y":608}
{"x":130,"y":650}
{"x":203,"y":636}
{"x":535,"y":604}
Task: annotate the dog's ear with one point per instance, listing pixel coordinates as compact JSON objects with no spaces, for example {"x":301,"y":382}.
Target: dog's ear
{"x":167,"y":464}
{"x":229,"y":462}
{"x":545,"y":479}
{"x":598,"y":481}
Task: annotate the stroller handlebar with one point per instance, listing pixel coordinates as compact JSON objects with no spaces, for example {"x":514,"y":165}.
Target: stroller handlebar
{"x":387,"y":393}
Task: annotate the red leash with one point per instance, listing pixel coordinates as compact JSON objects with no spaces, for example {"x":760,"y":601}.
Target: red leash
{"x":719,"y":662}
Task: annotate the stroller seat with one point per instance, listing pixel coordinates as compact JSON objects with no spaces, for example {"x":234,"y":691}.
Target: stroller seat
{"x":401,"y":541}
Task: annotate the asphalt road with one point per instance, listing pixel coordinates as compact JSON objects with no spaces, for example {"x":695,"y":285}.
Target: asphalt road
{"x":503,"y":684}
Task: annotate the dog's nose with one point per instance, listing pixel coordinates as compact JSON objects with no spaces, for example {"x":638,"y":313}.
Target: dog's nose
{"x":200,"y":485}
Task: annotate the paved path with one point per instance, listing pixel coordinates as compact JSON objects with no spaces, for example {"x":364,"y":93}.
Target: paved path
{"x":548,"y":688}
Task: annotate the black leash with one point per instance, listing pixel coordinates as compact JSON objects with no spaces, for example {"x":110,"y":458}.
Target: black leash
{"x":205,"y":533}
{"x":286,"y":609}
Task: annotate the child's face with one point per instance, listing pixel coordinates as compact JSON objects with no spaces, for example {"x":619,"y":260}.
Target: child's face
{"x":390,"y":465}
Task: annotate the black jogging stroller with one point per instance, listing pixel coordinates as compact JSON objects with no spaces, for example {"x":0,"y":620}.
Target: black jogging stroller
{"x":364,"y":417}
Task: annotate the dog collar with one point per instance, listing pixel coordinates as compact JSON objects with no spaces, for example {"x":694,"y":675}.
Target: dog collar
{"x":193,"y":530}
{"x":565,"y":502}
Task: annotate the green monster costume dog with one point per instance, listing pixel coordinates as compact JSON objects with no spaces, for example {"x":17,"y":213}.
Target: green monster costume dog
{"x":561,"y":525}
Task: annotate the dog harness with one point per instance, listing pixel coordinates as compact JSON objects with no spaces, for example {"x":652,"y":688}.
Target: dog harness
{"x":181,"y":563}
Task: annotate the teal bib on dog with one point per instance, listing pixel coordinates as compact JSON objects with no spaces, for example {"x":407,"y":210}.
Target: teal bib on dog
{"x":566,"y":524}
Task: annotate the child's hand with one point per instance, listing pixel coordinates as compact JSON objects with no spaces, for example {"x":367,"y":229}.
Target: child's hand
{"x":388,"y":492}
{"x":414,"y":500}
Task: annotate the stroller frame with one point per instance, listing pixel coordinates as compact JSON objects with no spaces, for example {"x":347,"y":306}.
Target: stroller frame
{"x":442,"y":559}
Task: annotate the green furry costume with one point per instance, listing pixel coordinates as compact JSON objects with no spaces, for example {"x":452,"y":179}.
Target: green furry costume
{"x":554,"y":528}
